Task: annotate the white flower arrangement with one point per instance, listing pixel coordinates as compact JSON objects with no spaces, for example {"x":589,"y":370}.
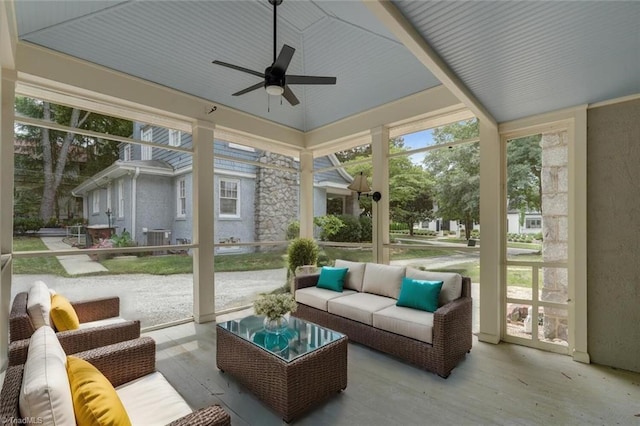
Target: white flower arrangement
{"x":274,"y":306}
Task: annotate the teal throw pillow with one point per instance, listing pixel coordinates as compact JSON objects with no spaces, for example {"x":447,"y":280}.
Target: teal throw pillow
{"x":332,"y":278}
{"x":419,"y":294}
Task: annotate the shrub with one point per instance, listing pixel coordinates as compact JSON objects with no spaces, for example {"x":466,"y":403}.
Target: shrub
{"x":302,"y":251}
{"x":22,"y":225}
{"x":293,"y":230}
{"x":350,"y":232}
{"x":396,"y":226}
{"x":123,"y":240}
{"x":475,"y":233}
{"x":52,"y":223}
{"x":366,"y":229}
{"x":329,"y":226}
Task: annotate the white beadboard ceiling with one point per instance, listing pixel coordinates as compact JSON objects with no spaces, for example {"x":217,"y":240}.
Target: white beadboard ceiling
{"x":518,"y":58}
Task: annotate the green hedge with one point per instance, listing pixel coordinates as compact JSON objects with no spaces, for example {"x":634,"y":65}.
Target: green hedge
{"x":22,"y":225}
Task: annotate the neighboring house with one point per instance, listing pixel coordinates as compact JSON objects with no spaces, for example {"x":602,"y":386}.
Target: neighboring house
{"x":148,"y":192}
{"x":532,"y":222}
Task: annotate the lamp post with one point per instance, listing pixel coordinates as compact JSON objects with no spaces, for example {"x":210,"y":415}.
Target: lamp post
{"x":108,"y":213}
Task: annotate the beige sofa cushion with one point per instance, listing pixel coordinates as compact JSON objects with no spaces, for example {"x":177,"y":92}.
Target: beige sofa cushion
{"x":383,"y":280}
{"x":151,"y":400}
{"x":408,"y":322}
{"x":451,"y":283}
{"x":318,"y":297}
{"x":45,"y":393}
{"x":355,"y":275}
{"x":101,"y":323}
{"x":359,"y":307}
{"x":39,"y":304}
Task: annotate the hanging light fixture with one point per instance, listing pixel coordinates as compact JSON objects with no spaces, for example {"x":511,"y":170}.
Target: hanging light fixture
{"x":361,"y":186}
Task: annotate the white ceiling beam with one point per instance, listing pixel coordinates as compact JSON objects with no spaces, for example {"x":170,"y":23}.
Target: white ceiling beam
{"x":8,"y":35}
{"x":413,"y":107}
{"x":393,"y":19}
{"x":151,"y":103}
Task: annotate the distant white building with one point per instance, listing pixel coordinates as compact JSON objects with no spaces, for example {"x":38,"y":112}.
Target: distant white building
{"x":532,"y":223}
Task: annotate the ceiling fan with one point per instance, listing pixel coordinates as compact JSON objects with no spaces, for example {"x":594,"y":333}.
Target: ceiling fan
{"x":276,"y":81}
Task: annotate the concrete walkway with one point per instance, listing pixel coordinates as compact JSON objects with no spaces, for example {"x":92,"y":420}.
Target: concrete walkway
{"x":75,"y":264}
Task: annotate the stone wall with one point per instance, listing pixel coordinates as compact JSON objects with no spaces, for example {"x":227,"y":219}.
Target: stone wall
{"x":276,"y":198}
{"x":555,"y":248}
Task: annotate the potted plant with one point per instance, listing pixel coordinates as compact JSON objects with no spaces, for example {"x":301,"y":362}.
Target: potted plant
{"x":301,"y":252}
{"x":274,"y":307}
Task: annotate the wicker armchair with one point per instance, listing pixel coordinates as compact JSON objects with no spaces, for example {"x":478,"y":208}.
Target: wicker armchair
{"x":21,"y":327}
{"x":120,"y":363}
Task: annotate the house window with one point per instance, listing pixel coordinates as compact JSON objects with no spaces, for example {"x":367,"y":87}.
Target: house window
{"x":228,"y":198}
{"x":146,"y":150}
{"x":241,"y":147}
{"x":174,"y":137}
{"x":182,"y":198}
{"x":127,"y":153}
{"x":533,"y":223}
{"x":109,"y":196}
{"x":96,"y":201}
{"x":121,"y":198}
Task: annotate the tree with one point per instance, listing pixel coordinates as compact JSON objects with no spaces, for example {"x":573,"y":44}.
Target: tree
{"x":411,"y":192}
{"x":456,"y":172}
{"x":63,"y":159}
{"x":410,"y":187}
{"x":524,"y":169}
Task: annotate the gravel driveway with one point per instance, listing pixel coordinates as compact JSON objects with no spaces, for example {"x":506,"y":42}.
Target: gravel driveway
{"x":157,"y":299}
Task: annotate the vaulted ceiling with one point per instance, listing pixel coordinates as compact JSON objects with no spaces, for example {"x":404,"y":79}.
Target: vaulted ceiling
{"x":516,"y":58}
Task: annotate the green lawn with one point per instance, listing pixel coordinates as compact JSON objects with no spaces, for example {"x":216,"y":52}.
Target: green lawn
{"x":182,"y":264}
{"x":35,"y":265}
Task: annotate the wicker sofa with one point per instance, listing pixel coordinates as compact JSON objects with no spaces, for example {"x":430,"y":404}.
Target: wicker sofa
{"x":100,"y":322}
{"x":130,"y":368}
{"x":366,"y":312}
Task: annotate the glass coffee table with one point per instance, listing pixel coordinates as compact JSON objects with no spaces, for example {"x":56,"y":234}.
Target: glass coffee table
{"x":290,"y":371}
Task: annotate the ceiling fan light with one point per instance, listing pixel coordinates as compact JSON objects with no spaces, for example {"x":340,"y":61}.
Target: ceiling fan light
{"x":275,"y":90}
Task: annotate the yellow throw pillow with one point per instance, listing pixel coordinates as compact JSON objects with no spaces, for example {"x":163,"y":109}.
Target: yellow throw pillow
{"x":63,"y":315}
{"x":95,"y":401}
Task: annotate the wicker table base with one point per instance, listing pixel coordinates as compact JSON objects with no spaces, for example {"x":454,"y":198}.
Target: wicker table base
{"x":289,"y":388}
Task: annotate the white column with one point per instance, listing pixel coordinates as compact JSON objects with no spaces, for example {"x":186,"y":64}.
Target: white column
{"x":306,"y":198}
{"x":203,"y":216}
{"x":491,"y":268}
{"x":7,"y":95}
{"x":380,"y":183}
{"x":578,"y":236}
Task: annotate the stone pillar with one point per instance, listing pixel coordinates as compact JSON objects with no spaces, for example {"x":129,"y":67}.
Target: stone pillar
{"x":276,"y":198}
{"x":555,"y":246}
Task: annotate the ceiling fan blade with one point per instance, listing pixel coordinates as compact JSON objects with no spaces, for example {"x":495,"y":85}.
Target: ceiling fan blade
{"x":249,"y":89}
{"x":238,"y":68}
{"x":290,"y":97}
{"x":281,"y":64}
{"x":309,"y":79}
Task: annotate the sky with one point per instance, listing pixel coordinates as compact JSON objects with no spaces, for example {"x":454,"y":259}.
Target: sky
{"x":418,"y":140}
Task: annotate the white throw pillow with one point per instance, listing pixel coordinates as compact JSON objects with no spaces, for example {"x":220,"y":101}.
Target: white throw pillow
{"x":355,"y":274}
{"x":383,"y":280}
{"x":45,"y":393}
{"x":39,"y":304}
{"x":451,"y":283}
